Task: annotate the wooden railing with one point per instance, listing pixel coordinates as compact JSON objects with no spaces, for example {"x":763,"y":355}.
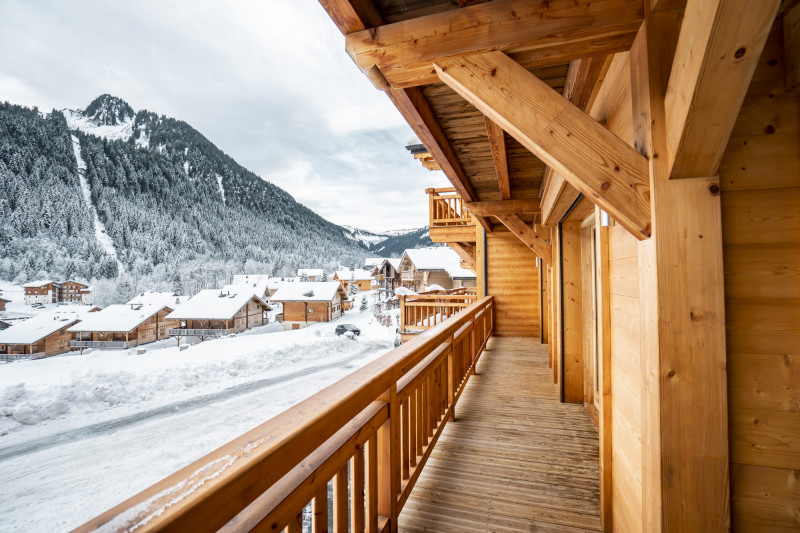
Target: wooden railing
{"x":102,"y":344}
{"x":420,"y":312}
{"x":447,"y":208}
{"x":374,"y":429}
{"x":8,"y":357}
{"x":183,"y":332}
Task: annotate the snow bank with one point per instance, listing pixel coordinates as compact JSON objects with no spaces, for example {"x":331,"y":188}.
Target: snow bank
{"x":82,"y":386}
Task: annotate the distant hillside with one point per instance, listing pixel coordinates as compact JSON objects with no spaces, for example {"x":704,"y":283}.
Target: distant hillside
{"x":104,"y":191}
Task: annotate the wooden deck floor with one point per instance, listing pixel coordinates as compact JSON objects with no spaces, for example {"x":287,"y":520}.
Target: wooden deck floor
{"x":515,"y":459}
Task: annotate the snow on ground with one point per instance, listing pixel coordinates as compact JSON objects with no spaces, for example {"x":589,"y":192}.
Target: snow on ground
{"x":220,"y":187}
{"x":99,"y":230}
{"x":84,"y":432}
{"x":17,"y":309}
{"x":76,"y":120}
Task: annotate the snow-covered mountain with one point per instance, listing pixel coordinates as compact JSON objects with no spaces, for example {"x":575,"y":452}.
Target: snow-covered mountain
{"x":390,"y":243}
{"x":91,"y":193}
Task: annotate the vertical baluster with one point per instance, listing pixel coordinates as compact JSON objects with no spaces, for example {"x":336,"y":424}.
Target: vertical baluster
{"x":412,"y":428}
{"x":357,"y":491}
{"x":424,"y":424}
{"x":340,"y":501}
{"x":404,"y":437}
{"x":320,"y":520}
{"x":451,"y":379}
{"x":431,"y":397}
{"x":420,"y":415}
{"x":389,"y":460}
{"x":372,"y":485}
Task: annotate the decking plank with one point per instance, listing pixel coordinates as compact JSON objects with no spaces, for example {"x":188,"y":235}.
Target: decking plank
{"x":515,"y":459}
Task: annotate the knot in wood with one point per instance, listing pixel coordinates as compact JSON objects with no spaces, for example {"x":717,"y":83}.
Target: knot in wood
{"x":714,"y":189}
{"x":740,"y":53}
{"x":605,"y":185}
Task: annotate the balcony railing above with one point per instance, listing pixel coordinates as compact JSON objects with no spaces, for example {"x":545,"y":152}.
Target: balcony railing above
{"x":423,"y":311}
{"x":447,"y":208}
{"x":113,"y":345}
{"x":182,"y":332}
{"x":382,"y":421}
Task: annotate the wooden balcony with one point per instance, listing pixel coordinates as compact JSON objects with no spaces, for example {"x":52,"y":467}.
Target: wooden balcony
{"x":423,"y":311}
{"x":515,"y":459}
{"x":183,"y":332}
{"x":449,"y":219}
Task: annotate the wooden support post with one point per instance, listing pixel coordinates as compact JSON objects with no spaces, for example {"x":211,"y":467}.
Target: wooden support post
{"x":573,"y":311}
{"x":340,"y":501}
{"x":319,"y":523}
{"x":497,"y":142}
{"x":685,"y":466}
{"x":604,"y":359}
{"x":389,"y":460}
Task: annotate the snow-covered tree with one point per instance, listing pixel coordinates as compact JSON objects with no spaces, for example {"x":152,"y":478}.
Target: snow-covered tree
{"x":303,"y":277}
{"x":364,"y":304}
{"x":352,"y":289}
{"x":177,"y":283}
{"x":124,"y":290}
{"x":324,"y":277}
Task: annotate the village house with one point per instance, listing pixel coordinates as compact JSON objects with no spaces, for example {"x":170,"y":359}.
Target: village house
{"x":41,"y":292}
{"x":259,"y":288}
{"x":73,"y":291}
{"x":312,"y":274}
{"x":43,"y":335}
{"x":387,"y":273}
{"x":361,"y":278}
{"x":438,"y":265}
{"x":123,"y":326}
{"x":164,"y":299}
{"x":216,"y":313}
{"x":3,"y":303}
{"x":305,"y":302}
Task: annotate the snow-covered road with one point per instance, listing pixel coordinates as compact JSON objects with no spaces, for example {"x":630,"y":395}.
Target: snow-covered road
{"x":56,"y":478}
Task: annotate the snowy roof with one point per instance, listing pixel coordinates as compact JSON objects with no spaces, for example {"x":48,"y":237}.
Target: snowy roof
{"x":370,"y":262}
{"x":213,"y":304}
{"x":244,"y":279}
{"x":75,"y":281}
{"x":358,"y":274}
{"x":38,"y":283}
{"x":307,"y":291}
{"x":394,"y":261}
{"x":36,"y":328}
{"x":435,"y":287}
{"x":118,"y":318}
{"x":164,"y":299}
{"x":438,"y":258}
{"x":310,"y":271}
{"x":4,"y":300}
{"x":257,"y":288}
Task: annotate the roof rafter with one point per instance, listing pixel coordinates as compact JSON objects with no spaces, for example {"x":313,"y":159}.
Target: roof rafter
{"x":352,"y":15}
{"x":497,"y":141}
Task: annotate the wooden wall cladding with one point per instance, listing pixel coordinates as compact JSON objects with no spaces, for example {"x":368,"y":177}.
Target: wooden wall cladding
{"x":760,"y":180}
{"x":626,"y":380}
{"x":513,"y":280}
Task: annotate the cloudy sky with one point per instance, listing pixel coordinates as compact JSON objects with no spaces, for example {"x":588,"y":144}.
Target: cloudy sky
{"x":267,"y":81}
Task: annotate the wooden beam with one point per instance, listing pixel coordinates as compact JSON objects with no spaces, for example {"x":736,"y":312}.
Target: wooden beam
{"x":352,"y":15}
{"x":572,"y":315}
{"x":464,"y":254}
{"x":718,"y":48}
{"x":557,"y":199}
{"x":503,"y":207}
{"x":791,"y":43}
{"x":603,"y":167}
{"x":536,"y":32}
{"x":418,"y":113}
{"x":497,"y":141}
{"x":584,"y":79}
{"x":526,"y":234}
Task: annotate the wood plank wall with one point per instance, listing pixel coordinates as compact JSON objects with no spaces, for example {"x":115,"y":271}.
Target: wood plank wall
{"x":626,"y":380}
{"x":513,"y":280}
{"x":760,"y":181}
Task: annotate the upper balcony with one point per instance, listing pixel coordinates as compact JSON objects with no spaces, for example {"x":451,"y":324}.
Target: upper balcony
{"x":512,"y":457}
{"x":449,"y":219}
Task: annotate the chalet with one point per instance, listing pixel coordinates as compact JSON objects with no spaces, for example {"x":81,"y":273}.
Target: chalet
{"x":259,"y":288}
{"x":421,"y":267}
{"x":122,"y":326}
{"x":311,"y":274}
{"x":163,"y":299}
{"x":361,"y":278}
{"x":43,"y":335}
{"x":3,"y":303}
{"x":388,"y":274}
{"x":74,"y":291}
{"x":371,"y":262}
{"x":305,"y":302}
{"x":626,"y":182}
{"x":41,"y":292}
{"x":215,"y":313}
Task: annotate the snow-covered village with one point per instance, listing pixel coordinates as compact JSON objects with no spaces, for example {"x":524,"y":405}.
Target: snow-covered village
{"x":383,"y":266}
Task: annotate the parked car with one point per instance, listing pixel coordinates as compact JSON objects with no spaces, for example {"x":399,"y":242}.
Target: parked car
{"x":341,"y":329}
{"x":37,"y":306}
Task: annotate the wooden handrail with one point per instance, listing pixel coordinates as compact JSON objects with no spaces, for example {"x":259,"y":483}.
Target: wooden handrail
{"x":263,"y":479}
{"x":447,"y":208}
